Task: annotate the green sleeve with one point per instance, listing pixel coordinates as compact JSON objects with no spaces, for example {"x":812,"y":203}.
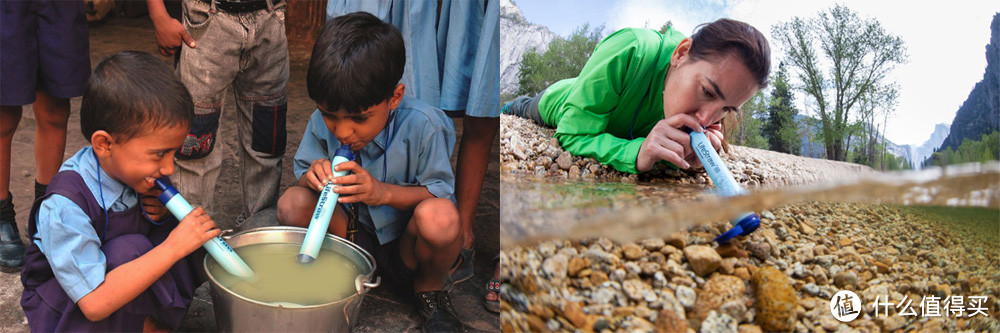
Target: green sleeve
{"x":592,"y":98}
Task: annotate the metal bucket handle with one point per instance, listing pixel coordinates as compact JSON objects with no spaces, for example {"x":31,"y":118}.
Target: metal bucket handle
{"x":361,"y":285}
{"x":226,"y":234}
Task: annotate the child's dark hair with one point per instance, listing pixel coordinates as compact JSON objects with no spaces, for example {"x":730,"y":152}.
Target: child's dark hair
{"x":356,"y":63}
{"x":726,"y":35}
{"x":131,"y":92}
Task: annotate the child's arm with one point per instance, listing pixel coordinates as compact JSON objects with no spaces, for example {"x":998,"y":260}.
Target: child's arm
{"x":360,"y":186}
{"x":169,"y":32}
{"x":124,"y":283}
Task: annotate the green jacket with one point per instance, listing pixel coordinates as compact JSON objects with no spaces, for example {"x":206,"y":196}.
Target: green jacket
{"x":623,"y":80}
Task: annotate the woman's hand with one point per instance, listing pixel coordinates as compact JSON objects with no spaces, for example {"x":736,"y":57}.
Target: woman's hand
{"x":667,"y":142}
{"x":359,"y":186}
{"x":715,"y":136}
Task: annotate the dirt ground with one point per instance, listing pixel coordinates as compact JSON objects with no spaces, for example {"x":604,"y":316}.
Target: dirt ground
{"x":381,"y":310}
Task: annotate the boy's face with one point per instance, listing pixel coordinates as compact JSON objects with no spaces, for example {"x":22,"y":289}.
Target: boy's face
{"x":357,"y":130}
{"x":138,"y":161}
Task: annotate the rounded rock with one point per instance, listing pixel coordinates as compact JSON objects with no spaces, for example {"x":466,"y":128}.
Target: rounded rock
{"x":703,"y":259}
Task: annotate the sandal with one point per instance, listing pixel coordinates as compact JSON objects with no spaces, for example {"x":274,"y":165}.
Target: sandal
{"x":492,"y":287}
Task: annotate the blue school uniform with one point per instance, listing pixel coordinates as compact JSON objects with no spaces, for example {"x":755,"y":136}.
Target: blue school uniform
{"x":452,"y":58}
{"x":73,"y":245}
{"x":413,"y":149}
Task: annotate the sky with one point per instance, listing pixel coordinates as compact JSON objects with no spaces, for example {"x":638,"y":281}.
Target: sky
{"x":946,"y":44}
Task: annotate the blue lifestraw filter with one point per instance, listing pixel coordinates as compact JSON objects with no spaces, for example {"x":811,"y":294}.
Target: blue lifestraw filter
{"x":216,"y":247}
{"x":726,"y":185}
{"x":320,"y":221}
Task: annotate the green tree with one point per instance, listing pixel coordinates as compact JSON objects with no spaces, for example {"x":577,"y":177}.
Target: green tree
{"x":987,"y":148}
{"x":665,"y":26}
{"x":747,"y":129}
{"x":780,"y":129}
{"x":838,"y":58}
{"x":564,"y":59}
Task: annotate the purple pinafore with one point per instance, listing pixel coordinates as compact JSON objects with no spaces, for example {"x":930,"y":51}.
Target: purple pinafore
{"x":128,"y":236}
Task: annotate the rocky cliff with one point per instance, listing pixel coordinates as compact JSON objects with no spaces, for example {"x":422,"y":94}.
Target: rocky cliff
{"x":517,"y":36}
{"x":980,"y":114}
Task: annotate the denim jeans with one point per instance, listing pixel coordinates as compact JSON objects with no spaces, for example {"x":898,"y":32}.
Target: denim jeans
{"x":248,"y":53}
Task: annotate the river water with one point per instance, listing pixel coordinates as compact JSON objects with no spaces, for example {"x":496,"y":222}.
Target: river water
{"x":534,"y":209}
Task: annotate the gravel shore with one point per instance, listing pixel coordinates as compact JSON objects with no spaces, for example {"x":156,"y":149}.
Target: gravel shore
{"x":780,"y":278}
{"x":527,"y":148}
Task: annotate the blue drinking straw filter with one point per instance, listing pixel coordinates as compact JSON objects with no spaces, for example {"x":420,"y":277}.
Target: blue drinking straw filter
{"x":725,"y":184}
{"x":327,"y":202}
{"x":216,"y":247}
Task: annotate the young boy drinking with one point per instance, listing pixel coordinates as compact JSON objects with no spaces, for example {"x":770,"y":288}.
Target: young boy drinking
{"x":104,"y":254}
{"x":397,"y":200}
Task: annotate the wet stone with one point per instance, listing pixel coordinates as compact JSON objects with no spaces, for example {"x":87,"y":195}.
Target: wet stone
{"x":686,"y":296}
{"x":555,"y":266}
{"x":576,"y":265}
{"x":565,"y":160}
{"x":845,"y":278}
{"x":632,"y":251}
{"x":703,"y":259}
{"x":775,"y":299}
{"x":670,"y":321}
{"x":718,"y":322}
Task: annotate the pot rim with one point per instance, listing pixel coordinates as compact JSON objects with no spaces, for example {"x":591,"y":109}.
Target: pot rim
{"x":361,"y":286}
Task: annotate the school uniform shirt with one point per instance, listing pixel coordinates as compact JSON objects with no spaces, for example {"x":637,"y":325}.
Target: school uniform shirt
{"x":65,"y":235}
{"x":413,"y":149}
{"x":606,"y":111}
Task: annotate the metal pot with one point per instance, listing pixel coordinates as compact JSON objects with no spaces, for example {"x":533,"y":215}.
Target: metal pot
{"x":235,"y":313}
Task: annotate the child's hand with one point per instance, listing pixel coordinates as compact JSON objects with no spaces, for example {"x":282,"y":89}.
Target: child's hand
{"x":359,"y":186}
{"x":317,"y":176}
{"x":170,"y":33}
{"x":667,"y":142}
{"x":193,"y":231}
{"x":153,"y":207}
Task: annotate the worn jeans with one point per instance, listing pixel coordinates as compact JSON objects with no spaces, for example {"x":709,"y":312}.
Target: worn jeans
{"x":247,"y":52}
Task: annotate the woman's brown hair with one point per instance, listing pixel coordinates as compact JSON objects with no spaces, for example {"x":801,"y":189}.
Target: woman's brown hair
{"x":718,"y":38}
{"x":711,"y":40}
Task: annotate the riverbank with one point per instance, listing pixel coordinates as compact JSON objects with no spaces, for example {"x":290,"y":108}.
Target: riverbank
{"x":780,"y":278}
{"x":529,"y":149}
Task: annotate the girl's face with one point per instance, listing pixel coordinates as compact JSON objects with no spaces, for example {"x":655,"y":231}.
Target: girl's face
{"x":707,"y":88}
{"x":138,"y":161}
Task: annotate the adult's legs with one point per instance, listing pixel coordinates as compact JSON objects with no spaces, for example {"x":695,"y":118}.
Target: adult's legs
{"x":261,"y":105}
{"x":11,"y":247}
{"x":51,"y":116}
{"x":207,"y":71}
{"x":10,"y":117}
{"x":473,"y":159}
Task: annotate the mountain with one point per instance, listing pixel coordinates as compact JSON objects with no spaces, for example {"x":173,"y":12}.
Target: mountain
{"x":517,"y":36}
{"x":925,"y":150}
{"x":980,"y":114}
